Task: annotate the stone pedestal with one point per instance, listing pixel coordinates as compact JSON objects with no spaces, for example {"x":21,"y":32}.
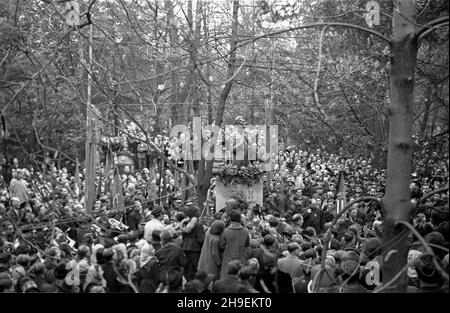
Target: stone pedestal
{"x":253,"y":194}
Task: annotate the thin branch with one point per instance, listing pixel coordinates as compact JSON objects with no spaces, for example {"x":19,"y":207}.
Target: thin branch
{"x":431,"y":245}
{"x":437,"y":21}
{"x":399,"y":274}
{"x":426,"y":246}
{"x":33,"y":125}
{"x":355,"y":12}
{"x":319,"y":64}
{"x":422,"y":35}
{"x":430,"y":26}
{"x":431,"y":193}
{"x":353,"y":111}
{"x":336,"y":218}
{"x":5,"y":57}
{"x":445,"y":132}
{"x":368,"y":30}
{"x":37,"y":73}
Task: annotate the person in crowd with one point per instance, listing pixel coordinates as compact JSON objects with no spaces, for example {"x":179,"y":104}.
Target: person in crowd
{"x":164,"y":245}
{"x":210,"y":257}
{"x":234,"y":242}
{"x":193,"y":238}
{"x":18,"y":187}
{"x":291,"y":264}
{"x":229,"y":283}
{"x":170,"y":255}
{"x":155,"y":223}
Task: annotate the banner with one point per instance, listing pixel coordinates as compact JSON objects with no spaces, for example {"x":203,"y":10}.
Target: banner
{"x":118,"y":200}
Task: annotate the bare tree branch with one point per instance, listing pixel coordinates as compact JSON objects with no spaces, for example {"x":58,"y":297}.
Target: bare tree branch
{"x":319,"y":64}
{"x":426,"y":246}
{"x":312,"y":25}
{"x":424,"y":197}
{"x":37,"y":73}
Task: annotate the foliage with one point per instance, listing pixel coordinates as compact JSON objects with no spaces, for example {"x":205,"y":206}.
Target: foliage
{"x":239,"y":175}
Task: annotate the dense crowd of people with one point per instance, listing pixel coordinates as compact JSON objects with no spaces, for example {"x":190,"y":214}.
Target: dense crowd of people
{"x":50,"y":243}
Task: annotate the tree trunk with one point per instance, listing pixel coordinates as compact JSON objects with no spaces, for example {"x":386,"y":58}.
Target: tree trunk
{"x":396,"y":201}
{"x":204,"y":183}
{"x":172,"y":32}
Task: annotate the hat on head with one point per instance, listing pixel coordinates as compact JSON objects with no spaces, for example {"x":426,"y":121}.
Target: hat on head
{"x":174,"y":277}
{"x":217,"y":215}
{"x":61,"y":271}
{"x":5,"y":257}
{"x":170,"y":229}
{"x":194,"y":286}
{"x":166,"y":235}
{"x":204,"y":277}
{"x":122,"y":238}
{"x":350,"y":262}
{"x":157,"y":211}
{"x":289,"y":231}
{"x":48,"y":288}
{"x":156,"y":236}
{"x":132,"y":236}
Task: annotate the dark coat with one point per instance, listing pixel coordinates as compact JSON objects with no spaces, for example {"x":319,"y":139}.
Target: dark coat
{"x":229,"y":285}
{"x":110,"y":275}
{"x":314,"y":219}
{"x":133,"y":219}
{"x":170,"y":256}
{"x":193,"y":241}
{"x":148,"y":277}
{"x":235,"y":240}
{"x":210,"y":259}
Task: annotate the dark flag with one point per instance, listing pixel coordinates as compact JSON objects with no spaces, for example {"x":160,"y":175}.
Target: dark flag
{"x":118,"y":200}
{"x":340,"y":193}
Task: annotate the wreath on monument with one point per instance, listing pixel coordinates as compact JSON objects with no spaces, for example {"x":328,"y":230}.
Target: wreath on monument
{"x":239,"y":175}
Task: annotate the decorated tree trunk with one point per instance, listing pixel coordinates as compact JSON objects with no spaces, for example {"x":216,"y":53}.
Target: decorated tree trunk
{"x":239,"y":183}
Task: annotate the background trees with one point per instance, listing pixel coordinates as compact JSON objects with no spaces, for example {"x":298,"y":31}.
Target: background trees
{"x":166,"y":61}
{"x":333,"y":82}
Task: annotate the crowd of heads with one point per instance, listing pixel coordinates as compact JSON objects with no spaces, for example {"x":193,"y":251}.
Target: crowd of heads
{"x":292,"y":242}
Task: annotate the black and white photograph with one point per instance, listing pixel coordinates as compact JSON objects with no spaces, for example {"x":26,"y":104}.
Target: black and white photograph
{"x":225,"y":151}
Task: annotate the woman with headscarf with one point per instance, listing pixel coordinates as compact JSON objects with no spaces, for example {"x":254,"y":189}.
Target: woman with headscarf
{"x":94,"y":278}
{"x":148,"y":276}
{"x":123,"y":267}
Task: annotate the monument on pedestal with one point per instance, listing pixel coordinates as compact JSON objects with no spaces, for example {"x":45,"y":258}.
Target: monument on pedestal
{"x":243,"y":183}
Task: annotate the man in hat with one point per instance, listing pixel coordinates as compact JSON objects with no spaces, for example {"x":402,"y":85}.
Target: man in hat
{"x":154,"y":223}
{"x":16,"y":214}
{"x":291,"y":264}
